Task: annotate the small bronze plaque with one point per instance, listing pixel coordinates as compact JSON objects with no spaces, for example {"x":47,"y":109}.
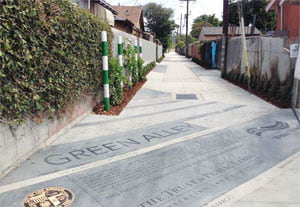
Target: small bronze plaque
{"x":49,"y":197}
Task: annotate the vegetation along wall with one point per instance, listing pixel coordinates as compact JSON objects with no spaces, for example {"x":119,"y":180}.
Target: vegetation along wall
{"x":50,"y":57}
{"x":271,"y":71}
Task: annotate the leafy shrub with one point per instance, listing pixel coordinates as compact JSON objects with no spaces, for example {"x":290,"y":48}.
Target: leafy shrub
{"x":50,"y":54}
{"x":202,"y":52}
{"x":201,"y":49}
{"x":180,"y":44}
{"x":161,"y":59}
{"x":115,"y":81}
{"x":141,"y":69}
{"x":149,"y":67}
{"x":130,"y":64}
{"x":134,"y":68}
{"x":196,"y":60}
{"x":270,"y":88}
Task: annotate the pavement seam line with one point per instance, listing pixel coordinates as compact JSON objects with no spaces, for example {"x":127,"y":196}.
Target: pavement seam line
{"x":52,"y":176}
{"x":230,"y":198}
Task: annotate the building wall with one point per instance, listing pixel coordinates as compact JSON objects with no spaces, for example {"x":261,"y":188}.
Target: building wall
{"x":81,"y":3}
{"x":122,"y":27}
{"x":97,"y":10}
{"x":212,"y":37}
{"x":138,"y":25}
{"x":102,"y":13}
{"x":291,"y":20}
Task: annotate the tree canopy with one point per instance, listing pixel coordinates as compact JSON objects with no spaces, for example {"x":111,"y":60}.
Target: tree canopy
{"x":203,"y":21}
{"x":265,"y":21}
{"x":158,"y":21}
{"x":180,"y":44}
{"x":190,"y":39}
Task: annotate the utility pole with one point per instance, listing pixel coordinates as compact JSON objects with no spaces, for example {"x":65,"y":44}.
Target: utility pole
{"x":187,"y":26}
{"x":180,"y":24}
{"x":187,"y":29}
{"x":225,"y":35}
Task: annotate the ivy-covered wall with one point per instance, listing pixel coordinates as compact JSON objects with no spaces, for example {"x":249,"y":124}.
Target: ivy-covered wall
{"x":50,"y":54}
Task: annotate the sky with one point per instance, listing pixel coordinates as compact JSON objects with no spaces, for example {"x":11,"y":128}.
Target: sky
{"x":197,"y":7}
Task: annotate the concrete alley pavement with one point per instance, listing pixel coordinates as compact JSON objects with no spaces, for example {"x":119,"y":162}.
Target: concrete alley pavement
{"x":188,"y":138}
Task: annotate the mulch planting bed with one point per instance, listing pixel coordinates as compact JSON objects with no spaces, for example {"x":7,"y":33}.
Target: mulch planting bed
{"x":263,"y":96}
{"x":129,"y":93}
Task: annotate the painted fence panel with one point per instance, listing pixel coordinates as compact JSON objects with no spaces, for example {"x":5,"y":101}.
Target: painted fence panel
{"x":265,"y":55}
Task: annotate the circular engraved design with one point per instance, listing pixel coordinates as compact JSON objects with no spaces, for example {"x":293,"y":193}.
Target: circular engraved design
{"x":49,"y":197}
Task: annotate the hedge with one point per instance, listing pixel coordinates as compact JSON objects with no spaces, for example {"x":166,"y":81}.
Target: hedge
{"x":50,"y":52}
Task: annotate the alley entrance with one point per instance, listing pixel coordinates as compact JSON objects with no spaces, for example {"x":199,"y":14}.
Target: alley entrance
{"x":187,"y":138}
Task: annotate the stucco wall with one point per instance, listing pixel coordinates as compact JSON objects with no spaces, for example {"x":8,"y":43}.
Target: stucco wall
{"x":149,"y":51}
{"x":149,"y":48}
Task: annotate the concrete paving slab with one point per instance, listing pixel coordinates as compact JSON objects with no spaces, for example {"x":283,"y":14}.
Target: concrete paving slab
{"x":241,"y":114}
{"x":186,"y":96}
{"x":11,"y":199}
{"x":202,"y":72}
{"x":155,"y":76}
{"x":185,"y":169}
{"x":185,"y":110}
{"x":64,"y":156}
{"x":190,"y":173}
{"x":151,"y":94}
{"x":281,"y":188}
{"x":160,"y":69}
{"x":266,"y":204}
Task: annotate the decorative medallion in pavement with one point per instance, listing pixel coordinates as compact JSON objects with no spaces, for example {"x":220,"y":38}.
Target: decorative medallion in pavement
{"x":49,"y":197}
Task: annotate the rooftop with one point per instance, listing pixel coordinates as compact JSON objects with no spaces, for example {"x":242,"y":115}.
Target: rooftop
{"x":107,"y":6}
{"x":132,"y":13}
